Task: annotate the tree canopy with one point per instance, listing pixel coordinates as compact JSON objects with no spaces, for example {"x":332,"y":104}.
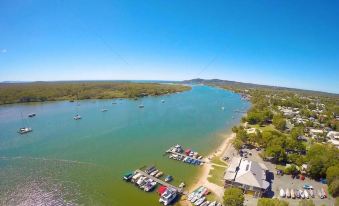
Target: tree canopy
{"x":233,"y":197}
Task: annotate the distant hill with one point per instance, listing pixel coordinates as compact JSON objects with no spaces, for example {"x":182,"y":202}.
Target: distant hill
{"x":241,"y":85}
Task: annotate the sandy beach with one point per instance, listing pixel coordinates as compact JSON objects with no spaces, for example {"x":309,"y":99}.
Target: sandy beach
{"x":217,"y":190}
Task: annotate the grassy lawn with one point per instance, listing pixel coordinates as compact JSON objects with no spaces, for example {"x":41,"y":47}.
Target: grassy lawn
{"x":211,"y":197}
{"x":216,"y":175}
{"x":218,"y":161}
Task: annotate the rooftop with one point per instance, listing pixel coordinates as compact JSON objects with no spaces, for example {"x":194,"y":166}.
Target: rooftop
{"x":247,"y":173}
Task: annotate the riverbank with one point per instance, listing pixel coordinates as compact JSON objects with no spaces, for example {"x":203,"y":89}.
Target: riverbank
{"x":109,"y":139}
{"x":55,"y":91}
{"x":204,"y":173}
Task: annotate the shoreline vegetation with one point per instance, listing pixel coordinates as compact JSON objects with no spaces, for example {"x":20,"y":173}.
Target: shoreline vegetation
{"x":11,"y":93}
{"x":291,"y":130}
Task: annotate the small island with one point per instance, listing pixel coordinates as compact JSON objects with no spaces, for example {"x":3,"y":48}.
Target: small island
{"x":55,"y":91}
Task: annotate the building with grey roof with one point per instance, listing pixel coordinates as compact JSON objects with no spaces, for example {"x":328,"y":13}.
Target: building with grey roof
{"x":247,"y":175}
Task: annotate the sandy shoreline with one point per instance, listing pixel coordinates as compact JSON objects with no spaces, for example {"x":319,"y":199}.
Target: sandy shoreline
{"x":204,"y":171}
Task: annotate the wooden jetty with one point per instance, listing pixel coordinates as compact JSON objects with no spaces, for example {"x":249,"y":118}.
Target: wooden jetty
{"x":180,"y":190}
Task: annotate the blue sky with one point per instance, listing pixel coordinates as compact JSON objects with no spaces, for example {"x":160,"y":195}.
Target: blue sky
{"x":282,"y":43}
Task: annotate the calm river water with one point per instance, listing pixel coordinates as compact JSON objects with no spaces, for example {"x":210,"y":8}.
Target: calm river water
{"x":68,"y":162}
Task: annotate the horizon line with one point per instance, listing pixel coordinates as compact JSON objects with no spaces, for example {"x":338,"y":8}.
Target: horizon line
{"x":150,"y":80}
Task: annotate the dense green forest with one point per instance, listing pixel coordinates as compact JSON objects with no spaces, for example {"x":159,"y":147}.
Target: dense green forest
{"x":52,"y":91}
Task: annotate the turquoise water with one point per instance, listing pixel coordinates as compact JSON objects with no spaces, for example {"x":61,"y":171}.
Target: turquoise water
{"x":81,"y":162}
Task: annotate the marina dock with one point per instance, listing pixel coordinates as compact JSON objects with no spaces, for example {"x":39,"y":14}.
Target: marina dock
{"x":184,"y":155}
{"x":161,"y":182}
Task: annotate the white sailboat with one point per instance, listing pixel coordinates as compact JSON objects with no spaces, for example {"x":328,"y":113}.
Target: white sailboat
{"x":24,"y":129}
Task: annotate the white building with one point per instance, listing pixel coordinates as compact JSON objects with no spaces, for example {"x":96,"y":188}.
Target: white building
{"x":247,"y":175}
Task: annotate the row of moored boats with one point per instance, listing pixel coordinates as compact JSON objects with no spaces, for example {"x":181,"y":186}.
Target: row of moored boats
{"x":198,"y":198}
{"x":177,"y":152}
{"x":148,"y":184}
{"x":302,"y":193}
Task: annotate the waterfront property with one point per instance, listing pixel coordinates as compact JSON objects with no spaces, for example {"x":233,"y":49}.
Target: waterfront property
{"x":247,"y":175}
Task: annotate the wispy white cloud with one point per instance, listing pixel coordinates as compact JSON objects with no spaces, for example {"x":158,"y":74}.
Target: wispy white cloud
{"x":3,"y":50}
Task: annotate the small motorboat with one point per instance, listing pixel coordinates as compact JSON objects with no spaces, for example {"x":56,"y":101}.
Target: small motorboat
{"x":292,"y":194}
{"x":324,"y":192}
{"x":308,"y":187}
{"x":190,"y":196}
{"x":320,"y":194}
{"x":200,"y":201}
{"x":150,"y":186}
{"x":297,"y":194}
{"x":168,"y":178}
{"x":104,"y":110}
{"x":77,"y":117}
{"x":213,"y":203}
{"x":302,"y":195}
{"x":195,"y":198}
{"x":161,"y":190}
{"x":159,"y":174}
{"x":182,"y":185}
{"x":168,"y":196}
{"x":282,"y":193}
{"x":140,"y":180}
{"x":143,"y":181}
{"x":141,"y":106}
{"x":205,"y":203}
{"x":222,"y":108}
{"x":31,"y":115}
{"x":25,"y":130}
{"x":136,"y":177}
{"x":128,"y":176}
{"x":114,"y":103}
{"x":154,"y":172}
{"x":306,"y":194}
{"x":150,"y":169}
{"x":311,"y":193}
{"x":162,"y":101}
{"x":288,"y":194}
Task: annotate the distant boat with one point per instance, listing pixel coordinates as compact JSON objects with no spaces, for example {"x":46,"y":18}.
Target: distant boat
{"x":141,"y":106}
{"x":25,"y":130}
{"x":77,"y":117}
{"x":104,"y":110}
{"x":222,"y":108}
{"x":114,"y":103}
{"x":31,"y":115}
{"x":162,"y":101}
